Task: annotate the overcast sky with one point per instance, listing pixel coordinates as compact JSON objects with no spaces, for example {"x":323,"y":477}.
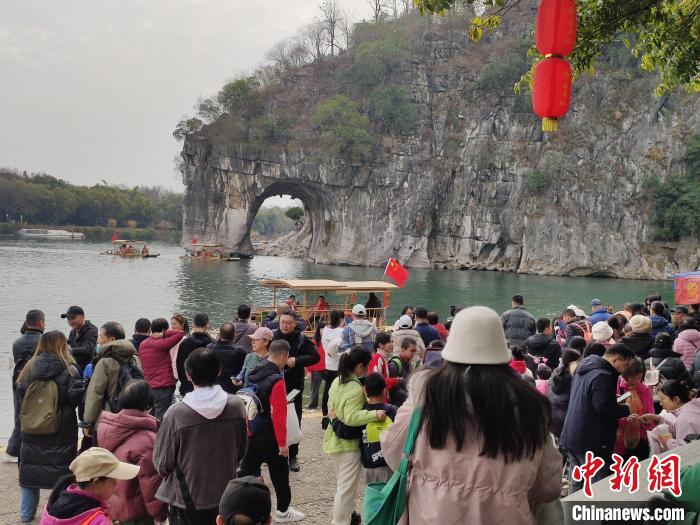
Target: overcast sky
{"x":91,"y":90}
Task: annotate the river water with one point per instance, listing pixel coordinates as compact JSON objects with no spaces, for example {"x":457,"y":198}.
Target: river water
{"x":52,"y":275}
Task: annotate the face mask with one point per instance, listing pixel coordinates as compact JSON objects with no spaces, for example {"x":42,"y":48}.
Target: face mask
{"x":97,"y":348}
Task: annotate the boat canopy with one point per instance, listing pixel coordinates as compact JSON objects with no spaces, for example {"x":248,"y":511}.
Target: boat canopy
{"x":328,"y":285}
{"x":209,"y":245}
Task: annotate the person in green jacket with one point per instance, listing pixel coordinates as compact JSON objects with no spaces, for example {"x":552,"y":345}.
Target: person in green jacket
{"x":346,"y":402}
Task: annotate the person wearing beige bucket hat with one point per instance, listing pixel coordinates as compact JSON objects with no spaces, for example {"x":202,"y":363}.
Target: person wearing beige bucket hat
{"x":81,"y":497}
{"x":504,"y":464}
{"x":640,"y":340}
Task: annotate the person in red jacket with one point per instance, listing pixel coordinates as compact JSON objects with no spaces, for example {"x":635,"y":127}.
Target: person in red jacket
{"x":383,"y":349}
{"x":267,"y":438}
{"x":130,"y":435}
{"x":316,"y":370}
{"x":157,"y":365}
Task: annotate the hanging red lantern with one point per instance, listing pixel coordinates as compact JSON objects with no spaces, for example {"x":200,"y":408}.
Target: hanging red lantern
{"x":555,"y":32}
{"x":551,"y":91}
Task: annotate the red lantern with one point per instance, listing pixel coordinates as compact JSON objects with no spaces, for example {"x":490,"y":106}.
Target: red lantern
{"x":551,"y":91}
{"x":555,"y":32}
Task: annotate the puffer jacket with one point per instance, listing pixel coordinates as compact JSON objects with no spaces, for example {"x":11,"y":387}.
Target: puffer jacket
{"x":74,"y":506}
{"x":447,"y":486}
{"x":558,"y":395}
{"x":660,"y":324}
{"x":518,"y":325}
{"x":591,"y":419}
{"x":687,"y":344}
{"x":639,"y":343}
{"x":43,"y":460}
{"x":103,"y":383}
{"x":130,"y":435}
{"x":23,"y":350}
{"x":542,"y":349}
{"x":156,"y":361}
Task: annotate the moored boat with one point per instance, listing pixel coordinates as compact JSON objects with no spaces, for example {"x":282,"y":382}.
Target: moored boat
{"x":40,"y":233}
{"x":210,"y":252}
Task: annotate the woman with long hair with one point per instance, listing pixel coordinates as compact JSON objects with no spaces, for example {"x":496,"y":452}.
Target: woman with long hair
{"x":676,"y":397}
{"x":44,"y":457}
{"x":332,"y":331}
{"x":347,"y":400}
{"x":483,"y":453}
{"x":316,"y":370}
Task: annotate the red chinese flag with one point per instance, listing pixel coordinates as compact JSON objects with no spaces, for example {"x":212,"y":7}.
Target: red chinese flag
{"x":194,"y":241}
{"x":114,"y":237}
{"x":395,"y":271}
{"x":688,"y":289}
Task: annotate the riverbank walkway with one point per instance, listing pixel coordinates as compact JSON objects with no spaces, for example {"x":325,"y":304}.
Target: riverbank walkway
{"x":313,"y":488}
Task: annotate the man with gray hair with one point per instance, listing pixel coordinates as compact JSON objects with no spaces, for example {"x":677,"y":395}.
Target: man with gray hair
{"x":22,"y":351}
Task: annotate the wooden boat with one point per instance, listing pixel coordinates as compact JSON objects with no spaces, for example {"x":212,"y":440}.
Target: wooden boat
{"x":338,"y":295}
{"x":210,"y":252}
{"x":130,"y":249}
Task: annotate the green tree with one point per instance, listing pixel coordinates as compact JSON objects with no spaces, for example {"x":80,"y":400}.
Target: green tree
{"x":664,"y":34}
{"x":295,"y":213}
{"x":243,"y":96}
{"x":344,"y":130}
{"x":375,"y":61}
{"x":187,"y":126}
{"x":391,"y":106}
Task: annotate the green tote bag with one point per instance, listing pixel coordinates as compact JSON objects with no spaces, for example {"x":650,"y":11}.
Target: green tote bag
{"x":385,"y":502}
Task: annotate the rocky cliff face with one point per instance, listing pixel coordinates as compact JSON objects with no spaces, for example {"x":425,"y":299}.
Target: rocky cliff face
{"x":480,"y":187}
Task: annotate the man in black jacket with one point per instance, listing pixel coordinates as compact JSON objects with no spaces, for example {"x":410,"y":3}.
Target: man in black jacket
{"x":82,"y":338}
{"x":542,"y":348}
{"x":142,"y":331}
{"x":230,"y":355}
{"x":591,"y":419}
{"x":22,"y":351}
{"x":199,"y":338}
{"x":302,"y":353}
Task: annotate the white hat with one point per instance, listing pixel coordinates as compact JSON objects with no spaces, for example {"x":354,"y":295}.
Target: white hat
{"x":405,"y":322}
{"x":359,"y":310}
{"x":640,"y":324}
{"x":477,"y":338}
{"x":577,"y":311}
{"x":601,"y":331}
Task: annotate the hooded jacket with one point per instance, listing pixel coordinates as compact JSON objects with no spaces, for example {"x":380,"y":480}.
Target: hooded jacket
{"x":155,"y":359}
{"x":518,"y":325}
{"x":103,"y":383}
{"x":687,"y":344}
{"x":272,"y":394}
{"x":397,"y":336}
{"x":130,"y":436}
{"x":303,"y":350}
{"x":188,"y":345}
{"x":75,"y":506}
{"x":558,"y":395}
{"x":591,"y":419}
{"x":660,"y":324}
{"x":657,"y":355}
{"x":360,"y":331}
{"x":640,"y":343}
{"x":43,"y":460}
{"x":687,"y":422}
{"x":199,"y":454}
{"x":542,"y":349}
{"x":242,"y":330}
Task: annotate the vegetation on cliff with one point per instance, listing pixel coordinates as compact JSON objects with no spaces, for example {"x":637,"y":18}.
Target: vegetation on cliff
{"x":270,"y":223}
{"x":39,"y":198}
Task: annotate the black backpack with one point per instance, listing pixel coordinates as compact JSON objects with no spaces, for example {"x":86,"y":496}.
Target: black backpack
{"x":128,"y":371}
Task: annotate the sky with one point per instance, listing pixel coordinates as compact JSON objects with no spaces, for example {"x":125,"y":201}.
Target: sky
{"x":91,"y":90}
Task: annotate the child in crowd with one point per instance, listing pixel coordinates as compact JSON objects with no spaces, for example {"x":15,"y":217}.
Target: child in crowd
{"x":246,"y":501}
{"x":518,"y":364}
{"x":80,"y":498}
{"x":542,"y":381}
{"x":372,"y":459}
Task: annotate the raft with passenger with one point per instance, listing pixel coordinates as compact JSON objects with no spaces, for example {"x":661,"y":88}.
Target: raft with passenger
{"x":210,"y":252}
{"x":130,"y":249}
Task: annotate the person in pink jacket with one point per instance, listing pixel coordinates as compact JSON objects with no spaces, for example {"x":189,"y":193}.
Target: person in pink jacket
{"x":675,"y":397}
{"x":130,"y":435}
{"x":688,"y":341}
{"x":631,"y":437}
{"x":81,"y":497}
{"x":157,"y":365}
{"x":467,"y":465}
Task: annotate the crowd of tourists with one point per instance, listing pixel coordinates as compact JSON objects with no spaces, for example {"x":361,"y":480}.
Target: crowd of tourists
{"x":151,"y":409}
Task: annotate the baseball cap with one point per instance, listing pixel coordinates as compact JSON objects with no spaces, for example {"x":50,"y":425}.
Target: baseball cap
{"x":262,"y":333}
{"x":405,"y":322}
{"x":680,"y":310}
{"x":98,"y":462}
{"x":359,"y":310}
{"x":596,"y":302}
{"x":246,"y":496}
{"x":73,"y":310}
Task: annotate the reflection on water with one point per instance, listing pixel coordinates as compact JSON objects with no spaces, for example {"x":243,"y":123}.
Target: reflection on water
{"x":52,"y":275}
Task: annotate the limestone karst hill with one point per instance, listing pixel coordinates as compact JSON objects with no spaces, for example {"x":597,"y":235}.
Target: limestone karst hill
{"x":413,"y":144}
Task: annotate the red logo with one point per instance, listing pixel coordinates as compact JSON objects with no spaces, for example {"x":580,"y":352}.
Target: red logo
{"x":625,"y":474}
{"x":665,"y":474}
{"x":587,"y":471}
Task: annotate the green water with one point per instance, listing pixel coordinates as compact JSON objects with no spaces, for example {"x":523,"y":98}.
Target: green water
{"x":52,"y":275}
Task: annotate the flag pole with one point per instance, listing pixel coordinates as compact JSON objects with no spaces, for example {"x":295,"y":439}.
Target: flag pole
{"x":386,"y":268}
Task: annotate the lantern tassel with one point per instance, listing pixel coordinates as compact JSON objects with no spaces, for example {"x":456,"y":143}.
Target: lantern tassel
{"x":549,"y":125}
